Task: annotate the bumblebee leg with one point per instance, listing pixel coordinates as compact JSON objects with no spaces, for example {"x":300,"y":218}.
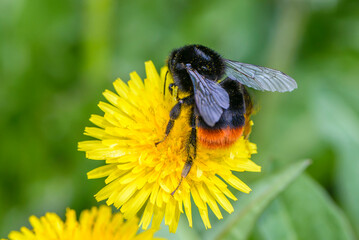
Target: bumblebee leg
{"x":191,"y":151}
{"x":174,"y":114}
{"x":191,"y":148}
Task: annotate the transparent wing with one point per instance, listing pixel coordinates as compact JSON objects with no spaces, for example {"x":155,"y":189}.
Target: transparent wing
{"x":260,"y":78}
{"x":210,"y":97}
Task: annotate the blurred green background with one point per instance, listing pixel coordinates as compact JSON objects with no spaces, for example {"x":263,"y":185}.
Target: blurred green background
{"x":57,"y":57}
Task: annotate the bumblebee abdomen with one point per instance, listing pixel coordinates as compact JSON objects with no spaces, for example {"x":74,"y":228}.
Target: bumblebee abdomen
{"x":225,"y":132}
{"x":218,"y":138}
{"x":230,"y":126}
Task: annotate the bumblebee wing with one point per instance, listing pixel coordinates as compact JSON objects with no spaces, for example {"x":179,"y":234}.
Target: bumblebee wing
{"x":260,"y":78}
{"x":209,"y":96}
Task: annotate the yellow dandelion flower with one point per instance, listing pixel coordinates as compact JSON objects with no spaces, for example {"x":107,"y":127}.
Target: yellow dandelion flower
{"x":94,"y":224}
{"x":142,"y":175}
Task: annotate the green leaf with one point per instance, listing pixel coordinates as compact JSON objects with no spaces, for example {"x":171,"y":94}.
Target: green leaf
{"x":275,"y":223}
{"x":304,"y":211}
{"x":339,"y":124}
{"x":249,"y":207}
{"x":313,"y":213}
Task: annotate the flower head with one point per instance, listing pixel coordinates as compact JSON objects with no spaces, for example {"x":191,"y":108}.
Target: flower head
{"x":142,"y":175}
{"x":94,"y":224}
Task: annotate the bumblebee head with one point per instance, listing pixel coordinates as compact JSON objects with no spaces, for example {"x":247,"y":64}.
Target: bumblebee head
{"x":206,"y":61}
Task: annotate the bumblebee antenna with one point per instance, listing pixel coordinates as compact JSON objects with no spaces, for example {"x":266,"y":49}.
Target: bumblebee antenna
{"x":164,"y":86}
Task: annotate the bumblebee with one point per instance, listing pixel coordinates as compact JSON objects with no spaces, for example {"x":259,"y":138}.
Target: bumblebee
{"x":220,"y":105}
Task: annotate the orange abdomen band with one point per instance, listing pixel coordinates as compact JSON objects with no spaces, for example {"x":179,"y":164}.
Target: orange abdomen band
{"x":218,"y":138}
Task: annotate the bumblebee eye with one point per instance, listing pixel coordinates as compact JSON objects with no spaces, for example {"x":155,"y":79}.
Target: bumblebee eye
{"x":180,"y":66}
